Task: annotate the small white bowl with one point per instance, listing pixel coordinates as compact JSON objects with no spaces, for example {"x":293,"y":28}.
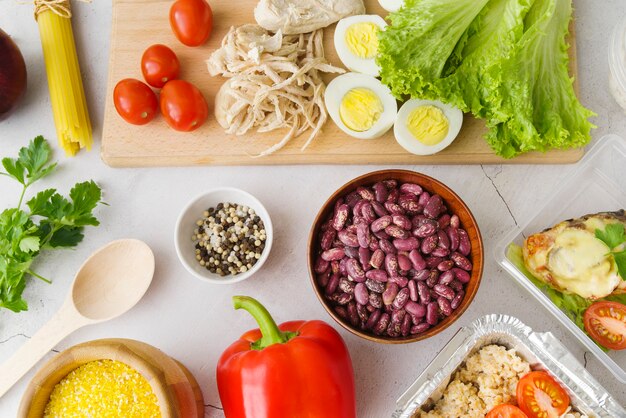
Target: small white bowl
{"x":185,"y":247}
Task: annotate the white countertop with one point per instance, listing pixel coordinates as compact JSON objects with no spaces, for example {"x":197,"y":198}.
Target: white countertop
{"x":193,"y":321}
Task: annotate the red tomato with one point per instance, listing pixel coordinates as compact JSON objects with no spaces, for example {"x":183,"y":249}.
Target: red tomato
{"x":183,"y":106}
{"x":540,"y":396}
{"x":159,"y":64}
{"x":191,"y":21}
{"x":606,"y":323}
{"x":135,"y":102}
{"x":506,"y":411}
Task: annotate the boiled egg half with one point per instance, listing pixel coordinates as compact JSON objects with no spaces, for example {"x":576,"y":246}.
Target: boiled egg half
{"x":356,"y":42}
{"x":426,"y":127}
{"x":361,"y":105}
{"x":391,"y":5}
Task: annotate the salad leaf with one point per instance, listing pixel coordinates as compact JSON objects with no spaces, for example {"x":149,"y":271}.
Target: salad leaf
{"x":614,"y":236}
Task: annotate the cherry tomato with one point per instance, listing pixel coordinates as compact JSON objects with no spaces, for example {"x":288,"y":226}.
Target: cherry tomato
{"x":191,"y":21}
{"x":135,"y":102}
{"x":506,"y":411}
{"x":540,"y":396}
{"x":183,"y":106}
{"x":159,"y":64}
{"x":606,"y":323}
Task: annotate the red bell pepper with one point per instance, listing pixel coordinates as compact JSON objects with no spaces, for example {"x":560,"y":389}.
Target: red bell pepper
{"x":300,"y":369}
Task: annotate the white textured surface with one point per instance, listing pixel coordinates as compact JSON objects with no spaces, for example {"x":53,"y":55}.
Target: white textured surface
{"x":193,"y":321}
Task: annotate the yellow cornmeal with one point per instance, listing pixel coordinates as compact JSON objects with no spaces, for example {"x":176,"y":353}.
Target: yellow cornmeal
{"x":428,"y":124}
{"x":362,"y":39}
{"x":103,"y":389}
{"x":360,"y":109}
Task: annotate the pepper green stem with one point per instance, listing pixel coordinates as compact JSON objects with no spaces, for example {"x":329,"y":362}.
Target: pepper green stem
{"x":270,"y":332}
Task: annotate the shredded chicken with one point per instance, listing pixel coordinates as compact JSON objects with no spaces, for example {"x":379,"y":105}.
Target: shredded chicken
{"x":274,"y":82}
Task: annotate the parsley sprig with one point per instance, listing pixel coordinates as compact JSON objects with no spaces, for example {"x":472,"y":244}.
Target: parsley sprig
{"x":52,"y":220}
{"x":614,"y":236}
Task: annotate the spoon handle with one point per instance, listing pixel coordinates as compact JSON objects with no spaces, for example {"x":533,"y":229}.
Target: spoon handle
{"x":64,"y":322}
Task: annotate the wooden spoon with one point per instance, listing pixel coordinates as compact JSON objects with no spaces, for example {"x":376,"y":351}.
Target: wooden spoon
{"x":109,"y":283}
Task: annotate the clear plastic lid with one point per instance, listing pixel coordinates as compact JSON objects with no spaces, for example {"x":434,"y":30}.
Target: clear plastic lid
{"x":617,"y":63}
{"x":596,"y":184}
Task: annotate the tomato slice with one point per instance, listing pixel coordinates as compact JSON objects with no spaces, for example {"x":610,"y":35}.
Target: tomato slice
{"x":606,"y":323}
{"x":540,"y":396}
{"x":506,"y":411}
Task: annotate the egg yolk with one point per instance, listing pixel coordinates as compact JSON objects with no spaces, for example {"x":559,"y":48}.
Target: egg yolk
{"x":428,"y":124}
{"x":360,"y":109}
{"x":362,"y":39}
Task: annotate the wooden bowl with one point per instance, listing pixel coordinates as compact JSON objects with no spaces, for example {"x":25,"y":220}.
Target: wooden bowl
{"x":456,"y":206}
{"x":176,"y":389}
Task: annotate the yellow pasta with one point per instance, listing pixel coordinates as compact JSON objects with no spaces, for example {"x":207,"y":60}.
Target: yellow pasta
{"x":67,"y":95}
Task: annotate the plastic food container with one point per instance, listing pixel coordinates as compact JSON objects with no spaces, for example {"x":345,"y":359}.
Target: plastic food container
{"x":597,"y":184}
{"x":542,"y":350}
{"x":617,"y":64}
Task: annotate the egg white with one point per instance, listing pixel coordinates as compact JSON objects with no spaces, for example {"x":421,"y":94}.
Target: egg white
{"x":391,"y":5}
{"x":406,"y":139}
{"x":342,"y":84}
{"x":351,"y":61}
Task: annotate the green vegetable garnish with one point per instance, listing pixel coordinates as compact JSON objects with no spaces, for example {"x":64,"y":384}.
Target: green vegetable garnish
{"x":503,"y":60}
{"x":614,"y":236}
{"x":53,"y":221}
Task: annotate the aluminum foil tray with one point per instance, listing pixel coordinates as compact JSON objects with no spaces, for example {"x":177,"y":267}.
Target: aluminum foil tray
{"x":542,"y":350}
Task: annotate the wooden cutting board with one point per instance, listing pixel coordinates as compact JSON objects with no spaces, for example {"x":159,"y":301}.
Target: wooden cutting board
{"x":137,"y":24}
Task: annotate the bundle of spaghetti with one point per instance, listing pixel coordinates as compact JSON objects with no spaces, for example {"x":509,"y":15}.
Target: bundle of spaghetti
{"x":67,"y":95}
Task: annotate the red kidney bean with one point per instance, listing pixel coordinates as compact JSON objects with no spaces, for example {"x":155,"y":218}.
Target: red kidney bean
{"x":456,"y":285}
{"x":453,"y":235}
{"x":357,"y":209}
{"x":373,"y":319}
{"x":333,"y":254}
{"x":387,"y":246}
{"x":391,"y":264}
{"x":444,"y":240}
{"x":352,"y":199}
{"x":321,"y":265}
{"x":390,"y":183}
{"x":369,"y":306}
{"x":461,"y":261}
{"x":411,"y":188}
{"x":363,"y":235}
{"x":355,"y":271}
{"x":412,"y":285}
{"x":396,"y":232}
{"x":399,"y":280}
{"x":422,"y":275}
{"x":376,"y":300}
{"x":423,"y":292}
{"x":432,"y":313}
{"x":433,"y":262}
{"x":446,"y":277}
{"x":405,"y":328}
{"x":410,"y":206}
{"x":417,"y":260}
{"x":445,"y":265}
{"x":382,"y":324}
{"x":341,"y":217}
{"x":401,"y":298}
{"x":346,"y":285}
{"x":461,"y":275}
{"x":418,"y":220}
{"x":434,"y":207}
{"x":381,"y":235}
{"x":406,"y":244}
{"x":335,"y":266}
{"x":426,"y":230}
{"x":341,"y":311}
{"x":424,"y":198}
{"x":456,"y":302}
{"x":351,"y":252}
{"x":347,"y":238}
{"x":338,"y":203}
{"x":327,"y":224}
{"x":390,"y":293}
{"x":378,"y":275}
{"x":377,"y":258}
{"x":351,"y":229}
{"x":419,"y":328}
{"x":368,"y":213}
{"x":365,"y":193}
{"x":397,"y":316}
{"x":433,"y":278}
{"x":379,"y":209}
{"x":375,"y":286}
{"x":429,"y":244}
{"x":465,"y":247}
{"x":361,"y":295}
{"x":443,"y":221}
{"x":364,"y":258}
{"x":455,"y":222}
{"x":328,"y":237}
{"x":341,"y":298}
{"x":323,"y":279}
{"x":353,"y":315}
{"x":393,"y":208}
{"x":380,"y":192}
{"x":393,"y":195}
{"x":444,"y":291}
{"x":402,"y":221}
{"x":404,"y":262}
{"x":440,"y":252}
{"x":444,"y":306}
{"x":393,"y":331}
{"x":374,"y":245}
{"x":333,"y":283}
{"x":363,"y":313}
{"x":381,"y":223}
{"x":415,"y":309}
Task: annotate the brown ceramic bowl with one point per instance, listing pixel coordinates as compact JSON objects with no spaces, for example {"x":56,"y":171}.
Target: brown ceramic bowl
{"x":455,"y":205}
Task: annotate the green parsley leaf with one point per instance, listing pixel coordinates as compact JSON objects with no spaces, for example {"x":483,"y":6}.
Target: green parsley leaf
{"x":613,"y":235}
{"x":29,"y":244}
{"x":34,"y":159}
{"x":620,"y":260}
{"x":14,"y":169}
{"x":66,"y":237}
{"x":85,"y":196}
